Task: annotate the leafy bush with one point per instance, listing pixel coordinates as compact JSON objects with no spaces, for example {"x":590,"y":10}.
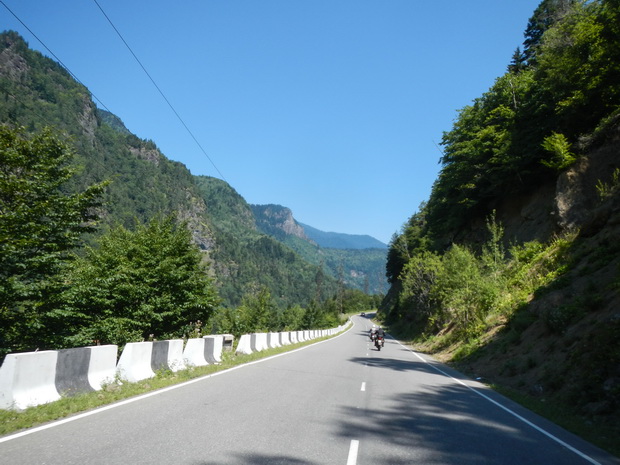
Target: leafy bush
{"x":559,"y":147}
{"x":136,"y":285}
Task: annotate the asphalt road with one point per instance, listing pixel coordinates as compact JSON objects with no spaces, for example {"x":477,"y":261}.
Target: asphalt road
{"x":336,"y":402}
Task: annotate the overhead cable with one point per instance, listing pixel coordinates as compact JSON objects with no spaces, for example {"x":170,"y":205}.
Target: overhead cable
{"x":159,"y":90}
{"x":54,"y":55}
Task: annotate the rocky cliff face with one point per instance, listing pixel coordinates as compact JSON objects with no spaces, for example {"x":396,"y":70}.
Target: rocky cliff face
{"x":277,"y":220}
{"x":580,"y":192}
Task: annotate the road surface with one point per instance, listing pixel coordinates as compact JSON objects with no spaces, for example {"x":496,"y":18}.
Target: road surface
{"x":335,"y":402}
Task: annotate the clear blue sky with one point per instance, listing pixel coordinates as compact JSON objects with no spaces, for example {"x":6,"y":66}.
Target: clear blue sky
{"x":329,"y":107}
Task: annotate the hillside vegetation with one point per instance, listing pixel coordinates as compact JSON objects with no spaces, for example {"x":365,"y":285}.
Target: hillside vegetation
{"x":511,"y":269}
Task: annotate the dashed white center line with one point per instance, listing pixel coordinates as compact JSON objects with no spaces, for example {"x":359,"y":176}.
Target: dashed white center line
{"x":363,"y":387}
{"x":352,"y":460}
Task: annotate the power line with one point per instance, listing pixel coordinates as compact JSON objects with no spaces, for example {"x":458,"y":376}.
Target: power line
{"x":41,"y":115}
{"x":159,"y":90}
{"x":54,"y":55}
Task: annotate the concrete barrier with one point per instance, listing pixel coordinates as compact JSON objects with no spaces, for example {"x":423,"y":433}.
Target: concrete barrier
{"x":167,"y":355}
{"x":28,"y":379}
{"x":194,"y":353}
{"x":71,"y":373}
{"x":273,"y":340}
{"x":301,"y":336}
{"x":102,"y":368}
{"x":175,"y":355}
{"x":259,"y":342}
{"x":213,"y":348}
{"x":228,"y":341}
{"x":135,"y":362}
{"x":293,"y":337}
{"x":285,"y":338}
{"x":159,"y":355}
{"x":245,"y":344}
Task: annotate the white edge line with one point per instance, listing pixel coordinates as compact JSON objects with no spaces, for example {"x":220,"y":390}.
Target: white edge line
{"x":155,"y":393}
{"x":352,"y":458}
{"x":503,"y":407}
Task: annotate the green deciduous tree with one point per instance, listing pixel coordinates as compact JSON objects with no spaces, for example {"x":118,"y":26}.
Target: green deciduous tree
{"x":150,"y":282}
{"x":39,"y":225}
{"x":417,"y":299}
{"x":559,"y":148}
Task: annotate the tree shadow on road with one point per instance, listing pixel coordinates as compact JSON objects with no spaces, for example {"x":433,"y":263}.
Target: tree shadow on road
{"x":448,"y":425}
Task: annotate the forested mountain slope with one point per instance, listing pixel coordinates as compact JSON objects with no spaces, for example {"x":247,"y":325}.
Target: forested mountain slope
{"x":512,"y":266}
{"x":38,"y":92}
{"x":355,"y":260}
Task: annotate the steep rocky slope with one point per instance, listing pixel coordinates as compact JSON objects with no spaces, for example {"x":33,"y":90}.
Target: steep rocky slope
{"x":564,"y":344}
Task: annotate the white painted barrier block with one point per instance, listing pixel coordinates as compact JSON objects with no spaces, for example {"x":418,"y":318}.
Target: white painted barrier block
{"x":176,"y":362}
{"x":300,"y":336}
{"x":285,"y":338}
{"x":245,"y":344}
{"x":194,"y":353}
{"x":135,"y":362}
{"x":213,"y":348}
{"x":259,"y":342}
{"x":102,"y":367}
{"x":28,"y":379}
{"x":273,"y":340}
{"x":292,"y":335}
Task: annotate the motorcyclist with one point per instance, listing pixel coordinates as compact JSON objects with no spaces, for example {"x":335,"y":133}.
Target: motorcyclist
{"x":372,"y":333}
{"x":381,"y":334}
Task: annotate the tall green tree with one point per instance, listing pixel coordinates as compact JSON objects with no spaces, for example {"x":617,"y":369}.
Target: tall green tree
{"x":546,"y":15}
{"x":151,"y":282}
{"x":40,"y":224}
{"x":579,"y":67}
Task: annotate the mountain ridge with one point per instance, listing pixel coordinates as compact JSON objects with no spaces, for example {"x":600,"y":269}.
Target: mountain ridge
{"x":336,"y":240}
{"x":341,"y":256}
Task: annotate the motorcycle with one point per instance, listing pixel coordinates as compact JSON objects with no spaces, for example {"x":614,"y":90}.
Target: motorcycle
{"x":379,"y":342}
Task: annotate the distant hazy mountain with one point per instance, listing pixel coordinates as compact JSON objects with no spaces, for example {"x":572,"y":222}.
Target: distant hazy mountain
{"x":357,"y":260}
{"x":335,"y":240}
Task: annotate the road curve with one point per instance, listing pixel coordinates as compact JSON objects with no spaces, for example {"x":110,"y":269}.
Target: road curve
{"x":335,"y":402}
